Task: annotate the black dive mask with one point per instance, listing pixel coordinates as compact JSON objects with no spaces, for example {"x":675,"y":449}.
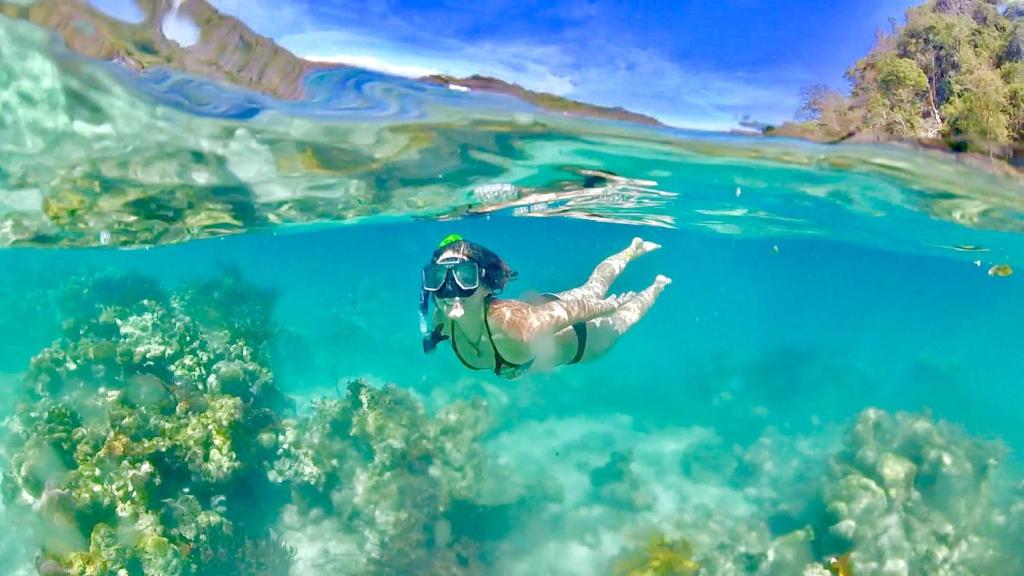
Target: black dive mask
{"x":452,"y":278}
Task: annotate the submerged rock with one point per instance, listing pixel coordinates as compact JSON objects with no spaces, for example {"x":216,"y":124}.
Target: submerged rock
{"x":912,"y":496}
{"x":616,"y":483}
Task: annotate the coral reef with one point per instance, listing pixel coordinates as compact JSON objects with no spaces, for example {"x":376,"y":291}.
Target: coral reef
{"x":151,"y":438}
{"x":135,"y":446}
{"x":912,"y":496}
{"x":903,"y":495}
{"x":779,"y":504}
{"x":375,"y":471}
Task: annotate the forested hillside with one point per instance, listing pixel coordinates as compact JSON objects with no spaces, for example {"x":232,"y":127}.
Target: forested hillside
{"x":953,"y":70}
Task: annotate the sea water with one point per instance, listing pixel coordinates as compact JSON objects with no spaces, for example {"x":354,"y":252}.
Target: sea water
{"x":833,"y":381}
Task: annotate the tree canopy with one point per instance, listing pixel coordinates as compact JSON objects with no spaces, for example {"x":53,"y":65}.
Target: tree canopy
{"x":953,"y":69}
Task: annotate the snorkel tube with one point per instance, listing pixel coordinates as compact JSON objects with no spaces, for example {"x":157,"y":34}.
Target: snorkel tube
{"x":432,"y":337}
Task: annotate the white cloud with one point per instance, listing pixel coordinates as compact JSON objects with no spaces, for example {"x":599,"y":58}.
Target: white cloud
{"x":124,"y":10}
{"x":679,"y":95}
{"x":375,"y":63}
{"x":436,"y":57}
{"x":179,"y":27}
{"x":271,"y":18}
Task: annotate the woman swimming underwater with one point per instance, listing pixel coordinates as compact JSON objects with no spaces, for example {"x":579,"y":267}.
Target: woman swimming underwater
{"x":513,"y":336}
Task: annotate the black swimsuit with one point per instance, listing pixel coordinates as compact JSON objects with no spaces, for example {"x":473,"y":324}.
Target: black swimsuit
{"x":510,"y":370}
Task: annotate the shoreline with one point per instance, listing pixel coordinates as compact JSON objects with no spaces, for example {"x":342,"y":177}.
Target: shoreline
{"x":1009,"y":166}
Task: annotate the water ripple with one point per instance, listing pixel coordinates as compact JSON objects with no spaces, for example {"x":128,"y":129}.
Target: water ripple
{"x":100,"y":154}
{"x":197,"y":95}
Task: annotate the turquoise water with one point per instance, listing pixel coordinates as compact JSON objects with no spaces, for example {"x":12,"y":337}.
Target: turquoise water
{"x":833,"y":371}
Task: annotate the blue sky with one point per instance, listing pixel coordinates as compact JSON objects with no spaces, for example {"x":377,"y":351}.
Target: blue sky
{"x":692,"y":64}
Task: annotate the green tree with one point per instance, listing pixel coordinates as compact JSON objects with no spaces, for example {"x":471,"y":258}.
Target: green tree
{"x":1015,"y":111}
{"x":892,"y":91}
{"x":1013,"y":76}
{"x":954,"y":68}
{"x":979,"y":108}
{"x":938,"y":43}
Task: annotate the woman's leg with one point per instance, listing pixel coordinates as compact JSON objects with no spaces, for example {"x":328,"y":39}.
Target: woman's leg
{"x":603,"y":332}
{"x":607,"y":271}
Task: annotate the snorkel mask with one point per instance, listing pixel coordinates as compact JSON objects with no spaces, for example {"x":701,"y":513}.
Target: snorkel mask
{"x":451,"y":277}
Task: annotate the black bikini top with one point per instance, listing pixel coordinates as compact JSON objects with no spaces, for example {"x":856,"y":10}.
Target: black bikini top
{"x":502,"y":367}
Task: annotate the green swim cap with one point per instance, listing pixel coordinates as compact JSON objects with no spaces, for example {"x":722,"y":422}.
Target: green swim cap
{"x":449,"y":239}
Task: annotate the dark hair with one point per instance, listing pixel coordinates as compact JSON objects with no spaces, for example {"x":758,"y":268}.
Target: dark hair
{"x":496,"y":272}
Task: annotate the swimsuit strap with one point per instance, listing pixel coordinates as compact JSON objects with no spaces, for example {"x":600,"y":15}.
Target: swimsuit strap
{"x":500,"y":364}
{"x":499,"y":361}
{"x":455,"y":348}
{"x":581,"y":341}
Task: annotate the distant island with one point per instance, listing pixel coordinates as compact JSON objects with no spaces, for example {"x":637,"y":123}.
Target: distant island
{"x":950,"y":77}
{"x":543,"y":100}
{"x":229,"y":51}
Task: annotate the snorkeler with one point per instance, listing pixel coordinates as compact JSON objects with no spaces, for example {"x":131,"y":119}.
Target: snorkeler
{"x":513,"y":336}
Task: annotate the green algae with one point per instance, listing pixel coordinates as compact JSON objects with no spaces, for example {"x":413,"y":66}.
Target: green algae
{"x":658,"y":557}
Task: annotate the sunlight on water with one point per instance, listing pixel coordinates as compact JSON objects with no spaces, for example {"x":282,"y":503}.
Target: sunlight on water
{"x":833,"y":379}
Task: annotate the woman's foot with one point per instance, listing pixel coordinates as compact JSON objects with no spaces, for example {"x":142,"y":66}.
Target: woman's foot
{"x":639,"y":247}
{"x":656,"y":287}
{"x":618,"y":300}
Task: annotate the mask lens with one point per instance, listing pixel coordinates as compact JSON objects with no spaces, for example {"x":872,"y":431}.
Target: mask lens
{"x":433,"y":276}
{"x":467,"y":275}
